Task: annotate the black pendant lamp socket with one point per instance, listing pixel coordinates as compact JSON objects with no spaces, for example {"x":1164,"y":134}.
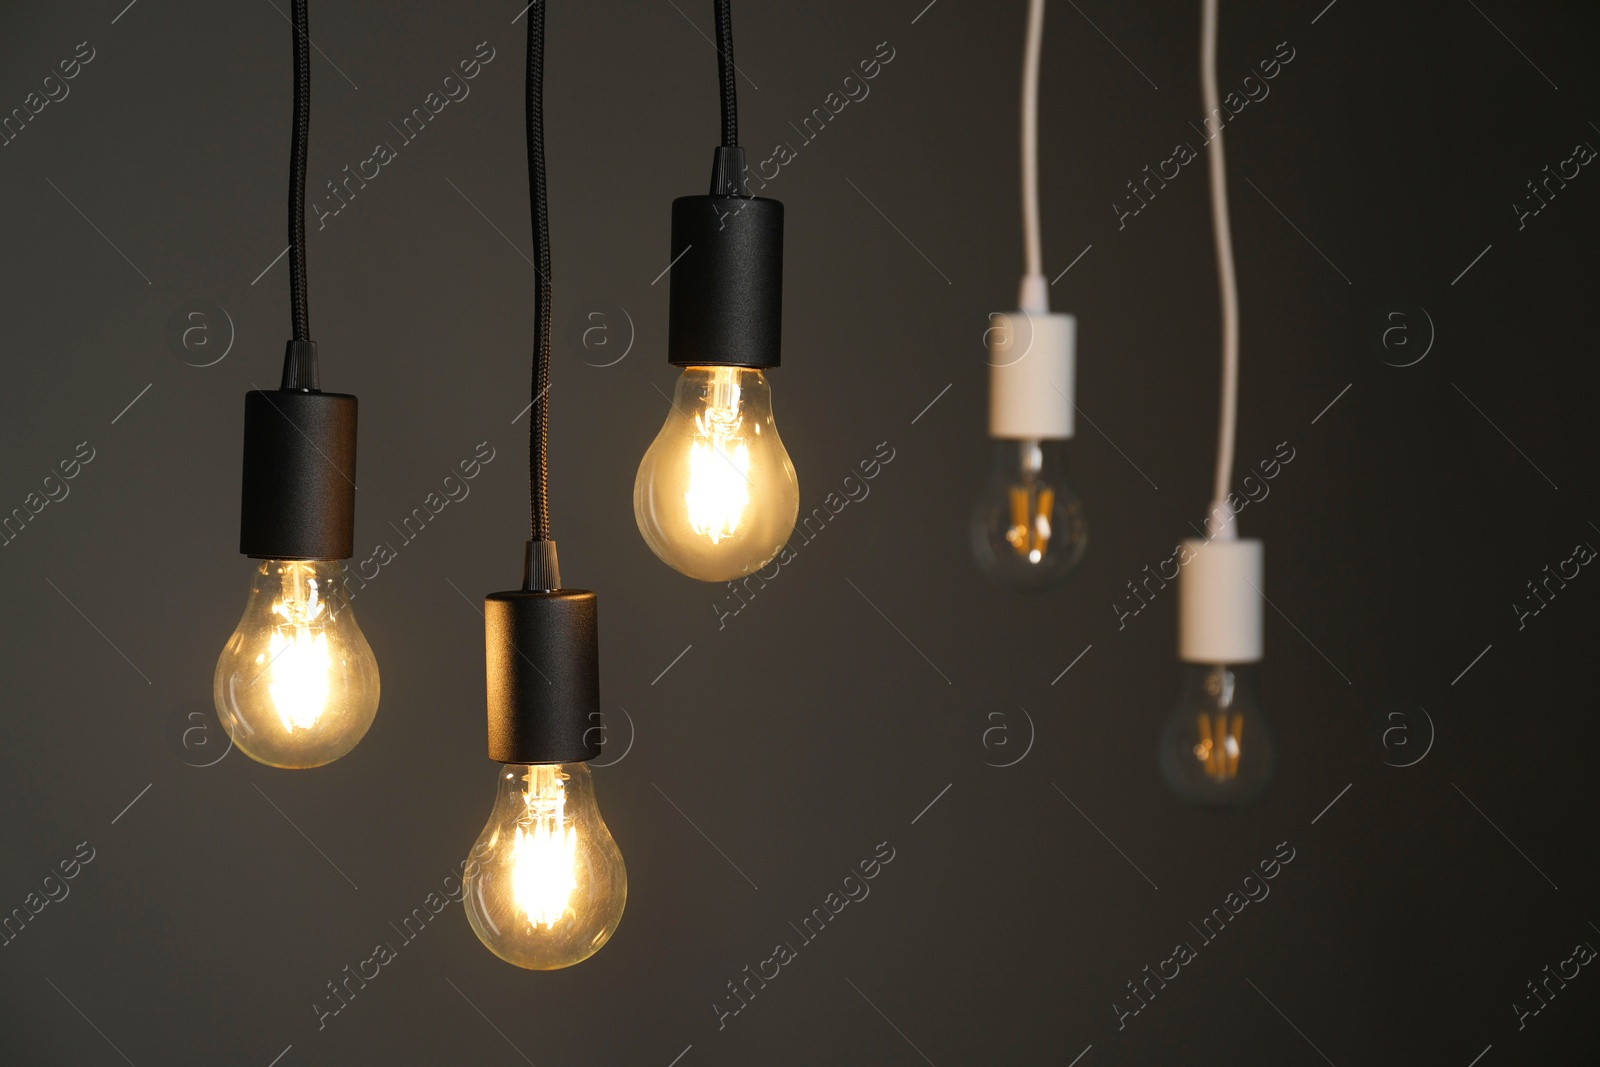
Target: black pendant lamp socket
{"x":299,"y":493}
{"x":726,"y":303}
{"x":542,"y":657}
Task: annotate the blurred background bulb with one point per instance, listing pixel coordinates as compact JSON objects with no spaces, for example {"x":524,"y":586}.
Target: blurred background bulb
{"x":545,"y":884}
{"x":1215,"y":748}
{"x":716,"y":496}
{"x":1028,"y":527}
{"x":296,"y":685}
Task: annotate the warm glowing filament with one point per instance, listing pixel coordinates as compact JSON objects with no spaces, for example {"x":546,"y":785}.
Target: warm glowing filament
{"x":544,"y":855}
{"x":298,"y":676}
{"x":1029,"y":534}
{"x":719,"y":464}
{"x":1218,"y":748}
{"x":297,"y":660}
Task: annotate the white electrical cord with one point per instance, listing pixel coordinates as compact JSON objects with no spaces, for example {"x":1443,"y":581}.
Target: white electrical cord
{"x":1035,"y":296}
{"x":1227,"y":426}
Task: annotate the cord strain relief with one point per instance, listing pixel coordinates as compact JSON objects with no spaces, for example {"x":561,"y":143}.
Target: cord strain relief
{"x":727,"y":172}
{"x":540,"y":571}
{"x":300,"y":367}
{"x":1034,"y":295}
{"x":1224,"y":523}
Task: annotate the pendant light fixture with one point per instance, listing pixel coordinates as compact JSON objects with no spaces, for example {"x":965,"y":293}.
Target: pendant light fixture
{"x":1215,"y":748}
{"x":297,"y":685}
{"x":1028,"y":527}
{"x":545,"y":883}
{"x":716,"y":496}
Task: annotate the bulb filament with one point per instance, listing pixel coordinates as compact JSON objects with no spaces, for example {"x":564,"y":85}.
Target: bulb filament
{"x":297,"y":660}
{"x":719,"y":461}
{"x":543,"y":857}
{"x":1029,"y":534}
{"x":1031,"y":506}
{"x":1218,"y":749}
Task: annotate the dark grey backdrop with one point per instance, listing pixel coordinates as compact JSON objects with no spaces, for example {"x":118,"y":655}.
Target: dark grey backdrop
{"x":878,"y":675}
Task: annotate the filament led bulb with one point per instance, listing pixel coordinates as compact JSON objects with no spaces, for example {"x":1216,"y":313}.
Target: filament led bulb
{"x":1028,"y":526}
{"x":1216,"y":750}
{"x":716,"y":496}
{"x":296,"y":685}
{"x":545,"y":884}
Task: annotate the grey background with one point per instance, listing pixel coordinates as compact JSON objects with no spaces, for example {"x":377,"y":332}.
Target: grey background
{"x":780,"y":749}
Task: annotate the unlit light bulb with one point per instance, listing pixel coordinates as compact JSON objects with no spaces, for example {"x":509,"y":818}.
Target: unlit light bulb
{"x":296,"y":685}
{"x":1028,"y":527}
{"x":545,"y":884}
{"x":716,"y":496}
{"x":1216,"y":750}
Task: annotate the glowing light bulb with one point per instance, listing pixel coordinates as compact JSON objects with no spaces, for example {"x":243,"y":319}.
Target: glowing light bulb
{"x":545,"y":884}
{"x":1028,"y":527}
{"x":716,"y":495}
{"x":1216,"y":750}
{"x":296,"y":685}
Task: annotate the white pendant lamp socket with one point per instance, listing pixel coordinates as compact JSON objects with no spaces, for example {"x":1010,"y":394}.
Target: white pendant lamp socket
{"x":1028,"y":526}
{"x":1032,"y":357}
{"x":1219,"y":606}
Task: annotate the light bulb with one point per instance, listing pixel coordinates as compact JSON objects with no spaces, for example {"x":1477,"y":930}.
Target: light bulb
{"x":716,"y":496}
{"x":296,"y":685}
{"x":545,"y":884}
{"x":1028,"y":527}
{"x":1216,"y":750}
